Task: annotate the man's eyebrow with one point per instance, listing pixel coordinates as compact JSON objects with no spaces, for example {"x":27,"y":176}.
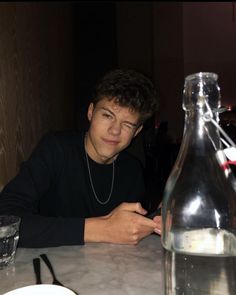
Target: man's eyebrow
{"x":126,"y":122}
{"x":106,"y":109}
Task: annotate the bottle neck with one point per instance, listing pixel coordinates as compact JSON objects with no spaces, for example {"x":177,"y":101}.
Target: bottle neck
{"x":199,"y":132}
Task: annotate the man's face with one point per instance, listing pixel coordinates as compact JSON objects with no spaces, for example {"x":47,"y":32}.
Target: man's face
{"x":112,"y":128}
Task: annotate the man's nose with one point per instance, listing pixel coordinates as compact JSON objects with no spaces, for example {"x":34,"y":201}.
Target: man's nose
{"x":115,"y":128}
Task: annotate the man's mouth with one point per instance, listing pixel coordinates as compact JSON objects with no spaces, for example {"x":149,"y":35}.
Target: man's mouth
{"x":110,"y":141}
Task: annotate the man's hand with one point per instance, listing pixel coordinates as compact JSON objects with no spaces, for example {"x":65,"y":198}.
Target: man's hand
{"x":158,"y":221}
{"x":126,"y":224}
{"x":156,"y":216}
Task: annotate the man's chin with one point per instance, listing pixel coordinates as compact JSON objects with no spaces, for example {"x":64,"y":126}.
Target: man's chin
{"x":108,"y":157}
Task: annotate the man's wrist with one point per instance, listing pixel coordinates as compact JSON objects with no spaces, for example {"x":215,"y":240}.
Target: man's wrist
{"x":94,"y":229}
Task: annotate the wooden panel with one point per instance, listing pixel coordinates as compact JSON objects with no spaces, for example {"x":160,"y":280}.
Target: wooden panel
{"x":28,"y":92}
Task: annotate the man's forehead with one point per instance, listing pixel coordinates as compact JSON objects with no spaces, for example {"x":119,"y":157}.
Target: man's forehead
{"x":114,"y":106}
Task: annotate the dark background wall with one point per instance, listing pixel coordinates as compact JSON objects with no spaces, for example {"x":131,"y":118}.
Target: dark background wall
{"x":96,"y":50}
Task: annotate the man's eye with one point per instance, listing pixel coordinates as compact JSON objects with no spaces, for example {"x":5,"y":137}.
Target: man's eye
{"x":108,"y":116}
{"x":128,"y":126}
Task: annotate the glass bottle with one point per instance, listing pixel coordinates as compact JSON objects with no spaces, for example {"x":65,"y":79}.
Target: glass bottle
{"x":199,"y":203}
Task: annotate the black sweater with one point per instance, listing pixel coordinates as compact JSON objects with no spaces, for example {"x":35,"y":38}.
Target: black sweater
{"x":53,"y":195}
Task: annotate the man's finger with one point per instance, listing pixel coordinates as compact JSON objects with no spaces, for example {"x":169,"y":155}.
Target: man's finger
{"x":134,"y":207}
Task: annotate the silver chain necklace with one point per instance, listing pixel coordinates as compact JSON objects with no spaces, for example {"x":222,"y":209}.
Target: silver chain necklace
{"x":91,"y":181}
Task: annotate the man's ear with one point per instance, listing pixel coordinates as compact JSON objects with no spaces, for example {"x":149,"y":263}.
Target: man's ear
{"x":90,"y":111}
{"x":138,"y":130}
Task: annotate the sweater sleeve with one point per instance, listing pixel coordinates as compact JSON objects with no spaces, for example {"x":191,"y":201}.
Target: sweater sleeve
{"x":22,"y":194}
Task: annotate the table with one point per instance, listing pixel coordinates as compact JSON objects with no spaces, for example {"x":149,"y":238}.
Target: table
{"x":108,"y":269}
{"x":101,"y":269}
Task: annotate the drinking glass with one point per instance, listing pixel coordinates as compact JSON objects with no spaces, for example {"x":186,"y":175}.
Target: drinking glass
{"x":9,"y":236}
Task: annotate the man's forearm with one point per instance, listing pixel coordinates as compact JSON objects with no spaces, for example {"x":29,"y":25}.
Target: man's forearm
{"x":40,"y":231}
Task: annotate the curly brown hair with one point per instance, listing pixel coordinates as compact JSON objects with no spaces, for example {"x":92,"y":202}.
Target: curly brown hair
{"x":128,"y":88}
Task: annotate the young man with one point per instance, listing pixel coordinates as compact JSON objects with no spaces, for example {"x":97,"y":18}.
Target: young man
{"x":84,"y":187}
